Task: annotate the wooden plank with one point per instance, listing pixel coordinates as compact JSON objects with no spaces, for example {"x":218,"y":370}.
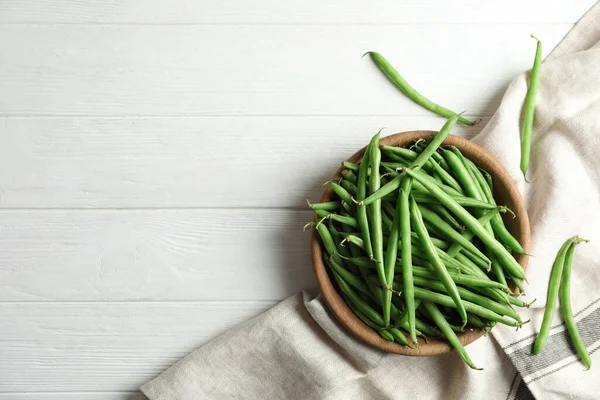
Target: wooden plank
{"x":105,"y":346}
{"x":308,"y":11}
{"x":181,"y":162}
{"x":297,"y":70}
{"x":153,"y":255}
{"x":73,"y":396}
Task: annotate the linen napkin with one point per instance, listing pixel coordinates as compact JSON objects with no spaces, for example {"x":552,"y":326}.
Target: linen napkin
{"x":297,"y":350}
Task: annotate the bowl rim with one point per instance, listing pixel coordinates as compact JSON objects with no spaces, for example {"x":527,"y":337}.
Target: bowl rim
{"x":520,"y":228}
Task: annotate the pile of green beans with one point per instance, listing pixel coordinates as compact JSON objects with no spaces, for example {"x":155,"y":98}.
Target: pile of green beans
{"x":560,"y":286}
{"x":416,"y":251}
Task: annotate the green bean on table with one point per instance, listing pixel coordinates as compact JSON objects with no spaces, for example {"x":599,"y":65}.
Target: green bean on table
{"x":410,"y":92}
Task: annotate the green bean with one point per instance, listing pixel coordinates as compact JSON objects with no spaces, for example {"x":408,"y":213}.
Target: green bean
{"x":406,"y":257}
{"x":328,"y":242}
{"x":336,"y":217}
{"x":532,"y":90}
{"x":410,"y":92}
{"x":442,"y":225}
{"x":375,"y":225}
{"x":421,"y":159}
{"x":424,"y":197}
{"x":350,"y":278}
{"x":354,"y":298}
{"x":327,"y":206}
{"x":349,"y":175}
{"x":446,"y":177}
{"x":342,"y":251}
{"x":468,"y":235}
{"x":497,"y":224}
{"x":350,"y":165}
{"x":552,"y":296}
{"x":435,"y":260}
{"x":398,"y":336}
{"x":467,"y":295}
{"x":387,"y":336}
{"x":471,"y":223}
{"x":444,"y":300}
{"x":497,"y":270}
{"x":361,"y":210}
{"x":387,"y":222}
{"x":462,"y":174}
{"x":567,"y":311}
{"x":446,"y":216}
{"x":348,"y":208}
{"x":350,"y":188}
{"x":391,"y":253}
{"x":444,"y":326}
{"x":341,"y":192}
{"x":461,"y":279}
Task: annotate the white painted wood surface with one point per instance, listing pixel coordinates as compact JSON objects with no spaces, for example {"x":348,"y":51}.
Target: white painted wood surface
{"x":155,"y":156}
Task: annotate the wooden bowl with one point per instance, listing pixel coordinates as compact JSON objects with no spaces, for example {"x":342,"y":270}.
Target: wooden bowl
{"x":505,"y":192}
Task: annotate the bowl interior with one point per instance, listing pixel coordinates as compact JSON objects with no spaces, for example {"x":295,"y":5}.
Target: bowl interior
{"x":505,"y":192}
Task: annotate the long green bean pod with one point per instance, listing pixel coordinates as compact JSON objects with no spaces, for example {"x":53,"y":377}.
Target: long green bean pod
{"x":410,"y":92}
{"x":567,"y":311}
{"x":444,"y":326}
{"x":534,"y":82}
{"x":552,"y":297}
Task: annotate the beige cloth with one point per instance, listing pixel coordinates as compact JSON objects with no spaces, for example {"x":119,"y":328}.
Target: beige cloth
{"x":297,"y":350}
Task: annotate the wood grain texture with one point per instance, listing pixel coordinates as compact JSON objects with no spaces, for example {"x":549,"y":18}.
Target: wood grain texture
{"x":181,"y":162}
{"x":105,"y":346}
{"x":506,"y":193}
{"x":308,"y":11}
{"x":75,"y":70}
{"x":153,"y":255}
{"x":73,"y":396}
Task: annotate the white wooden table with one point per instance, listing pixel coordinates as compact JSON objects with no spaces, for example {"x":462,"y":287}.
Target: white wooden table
{"x":155,"y":156}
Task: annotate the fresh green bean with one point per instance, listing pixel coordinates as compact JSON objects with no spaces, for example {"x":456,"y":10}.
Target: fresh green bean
{"x":434,"y":259}
{"x":354,"y":298}
{"x":341,"y":192}
{"x":462,"y":174}
{"x":455,"y":236}
{"x":567,"y":311}
{"x":391,"y":254}
{"x":446,"y":216}
{"x":461,"y":279}
{"x":552,"y":296}
{"x":327,"y":206}
{"x":342,"y":250}
{"x":475,"y":321}
{"x":375,"y":225}
{"x":425,"y":197}
{"x":350,"y":165}
{"x":398,"y":336}
{"x":444,"y":326}
{"x":444,"y":300}
{"x":467,"y":295}
{"x":350,"y":188}
{"x":497,"y":270}
{"x":470,"y":222}
{"x":406,"y":257}
{"x":361,"y":210}
{"x":336,"y":217}
{"x":497,"y":224}
{"x":349,"y":175}
{"x":410,"y":92}
{"x":421,"y":159}
{"x":534,"y":82}
{"x":468,"y":235}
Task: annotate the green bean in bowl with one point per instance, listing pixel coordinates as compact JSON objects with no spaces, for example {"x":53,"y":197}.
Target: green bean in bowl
{"x":424,"y":249}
